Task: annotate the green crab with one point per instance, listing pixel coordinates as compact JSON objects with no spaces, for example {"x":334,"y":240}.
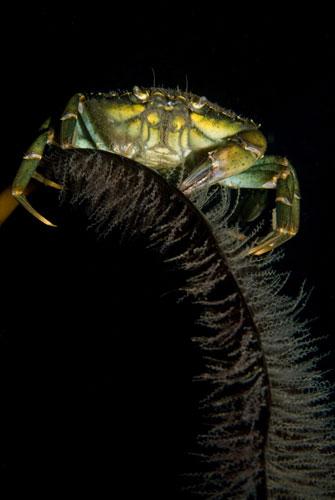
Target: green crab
{"x":172,"y":131}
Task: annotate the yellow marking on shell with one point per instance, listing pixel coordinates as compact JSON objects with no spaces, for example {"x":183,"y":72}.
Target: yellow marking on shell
{"x":173,"y":141}
{"x":134,"y":128}
{"x":153,"y":118}
{"x":197,"y":140}
{"x":124,"y":112}
{"x":154,"y":137}
{"x":216,"y":129}
{"x":145,"y":132}
{"x":184,"y":139}
{"x":178,"y":122}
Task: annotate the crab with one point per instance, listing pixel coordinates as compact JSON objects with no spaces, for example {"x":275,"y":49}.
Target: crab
{"x":172,"y":131}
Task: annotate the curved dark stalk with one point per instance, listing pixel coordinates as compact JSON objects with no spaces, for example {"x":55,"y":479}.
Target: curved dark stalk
{"x":235,"y":453}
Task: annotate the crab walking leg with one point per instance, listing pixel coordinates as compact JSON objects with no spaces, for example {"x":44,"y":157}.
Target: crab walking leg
{"x":9,"y":202}
{"x":27,"y":171}
{"x":47,"y":182}
{"x":31,"y":160}
{"x":36,"y":175}
{"x":69,"y":121}
{"x":273,"y":172}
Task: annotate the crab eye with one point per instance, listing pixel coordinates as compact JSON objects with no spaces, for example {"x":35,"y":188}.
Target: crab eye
{"x":199,"y":103}
{"x":141,"y":94}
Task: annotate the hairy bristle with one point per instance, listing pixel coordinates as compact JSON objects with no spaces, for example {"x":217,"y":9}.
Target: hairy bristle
{"x":267,"y":410}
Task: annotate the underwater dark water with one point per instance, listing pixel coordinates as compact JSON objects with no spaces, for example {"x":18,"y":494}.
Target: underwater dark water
{"x":61,"y":291}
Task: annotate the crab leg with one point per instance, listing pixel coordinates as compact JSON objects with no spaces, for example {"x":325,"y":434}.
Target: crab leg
{"x":273,"y":172}
{"x":69,"y":121}
{"x":47,"y":182}
{"x":27,"y":171}
{"x":32,"y":158}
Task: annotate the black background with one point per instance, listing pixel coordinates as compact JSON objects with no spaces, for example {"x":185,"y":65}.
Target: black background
{"x":275,"y":66}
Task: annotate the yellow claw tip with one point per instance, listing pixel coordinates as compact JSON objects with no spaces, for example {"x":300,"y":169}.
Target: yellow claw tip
{"x":46,"y":221}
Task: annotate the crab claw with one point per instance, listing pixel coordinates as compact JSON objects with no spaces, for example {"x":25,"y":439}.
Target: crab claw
{"x":236,"y":155}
